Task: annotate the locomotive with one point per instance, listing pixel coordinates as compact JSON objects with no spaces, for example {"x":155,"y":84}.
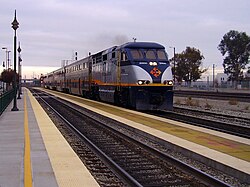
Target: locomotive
{"x":135,"y":75}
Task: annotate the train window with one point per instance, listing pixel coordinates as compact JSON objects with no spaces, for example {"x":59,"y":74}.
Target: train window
{"x":105,"y":57}
{"x":98,"y":59}
{"x":124,"y":56}
{"x":136,"y":54}
{"x":161,"y":55}
{"x":150,"y":54}
{"x":113,"y":55}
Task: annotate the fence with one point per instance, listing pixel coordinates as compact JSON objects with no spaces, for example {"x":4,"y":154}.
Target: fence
{"x":5,"y":99}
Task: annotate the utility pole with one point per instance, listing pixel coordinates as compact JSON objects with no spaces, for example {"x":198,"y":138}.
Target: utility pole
{"x":213,"y":76}
{"x":174,"y":65}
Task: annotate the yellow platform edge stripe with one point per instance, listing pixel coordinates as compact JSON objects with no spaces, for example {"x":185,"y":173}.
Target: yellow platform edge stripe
{"x":67,"y":167}
{"x":196,"y":136}
{"x":27,"y":158}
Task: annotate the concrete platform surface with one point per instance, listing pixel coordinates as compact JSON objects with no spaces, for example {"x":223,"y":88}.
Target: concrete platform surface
{"x":212,"y":146}
{"x":34,"y":153}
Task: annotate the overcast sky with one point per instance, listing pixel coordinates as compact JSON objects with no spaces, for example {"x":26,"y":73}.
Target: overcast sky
{"x":51,"y":30}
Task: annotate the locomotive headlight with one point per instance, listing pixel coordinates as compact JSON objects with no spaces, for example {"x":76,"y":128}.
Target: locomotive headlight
{"x":153,"y":63}
{"x":140,"y":82}
{"x":168,"y":82}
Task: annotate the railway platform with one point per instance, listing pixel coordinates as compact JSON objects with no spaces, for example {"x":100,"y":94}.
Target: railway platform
{"x":34,"y":153}
{"x":222,"y":151}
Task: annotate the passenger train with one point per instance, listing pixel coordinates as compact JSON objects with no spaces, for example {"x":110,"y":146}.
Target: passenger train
{"x":136,"y":75}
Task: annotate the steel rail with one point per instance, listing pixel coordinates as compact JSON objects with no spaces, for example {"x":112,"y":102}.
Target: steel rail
{"x":208,"y":179}
{"x":243,"y":97}
{"x":125,"y":176}
{"x":237,"y":130}
{"x":212,"y":113}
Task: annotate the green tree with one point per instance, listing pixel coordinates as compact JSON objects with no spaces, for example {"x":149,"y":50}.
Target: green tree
{"x":188,"y":65}
{"x":236,"y":49}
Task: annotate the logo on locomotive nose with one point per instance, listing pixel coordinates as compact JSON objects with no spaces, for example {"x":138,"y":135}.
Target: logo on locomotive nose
{"x":155,"y":71}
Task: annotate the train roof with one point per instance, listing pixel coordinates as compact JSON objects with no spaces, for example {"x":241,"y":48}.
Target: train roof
{"x":145,"y":45}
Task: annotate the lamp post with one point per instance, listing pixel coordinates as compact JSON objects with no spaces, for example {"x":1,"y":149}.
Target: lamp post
{"x":4,"y":64}
{"x":213,"y":76}
{"x":8,"y":60}
{"x":174,"y":64}
{"x":6,"y":51}
{"x":19,"y":72}
{"x":15,"y":26}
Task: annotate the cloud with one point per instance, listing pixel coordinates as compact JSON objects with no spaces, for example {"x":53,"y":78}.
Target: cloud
{"x":51,"y":29}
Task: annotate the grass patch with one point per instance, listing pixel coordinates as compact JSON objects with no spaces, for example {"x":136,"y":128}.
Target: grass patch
{"x":178,"y":101}
{"x":189,"y":101}
{"x":207,"y":105}
{"x":197,"y":103}
{"x":233,"y":102}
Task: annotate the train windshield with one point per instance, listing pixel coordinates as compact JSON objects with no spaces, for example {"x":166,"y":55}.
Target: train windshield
{"x":136,"y":54}
{"x":161,"y":55}
{"x":149,"y":54}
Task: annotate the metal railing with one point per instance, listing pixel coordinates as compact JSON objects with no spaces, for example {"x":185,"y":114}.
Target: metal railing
{"x":5,"y":99}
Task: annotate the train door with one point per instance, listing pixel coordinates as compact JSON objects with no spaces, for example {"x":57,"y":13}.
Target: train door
{"x":64,"y":79}
{"x":104,"y":72}
{"x":118,"y":71}
{"x":89,"y":77}
{"x":69,"y":85}
{"x":79,"y":87}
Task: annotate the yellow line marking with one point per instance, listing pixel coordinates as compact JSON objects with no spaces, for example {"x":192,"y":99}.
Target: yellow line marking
{"x":218,"y":143}
{"x":27,"y":160}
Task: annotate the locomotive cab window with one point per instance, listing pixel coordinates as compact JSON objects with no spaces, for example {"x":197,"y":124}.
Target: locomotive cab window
{"x":136,"y":54}
{"x":150,"y":54}
{"x":161,"y":55}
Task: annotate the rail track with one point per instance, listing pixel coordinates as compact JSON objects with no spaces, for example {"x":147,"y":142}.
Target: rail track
{"x":233,"y":119}
{"x":243,"y":97}
{"x":133,"y":162}
{"x":219,"y":122}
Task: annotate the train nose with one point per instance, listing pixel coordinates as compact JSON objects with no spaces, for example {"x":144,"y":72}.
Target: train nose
{"x":156,"y":99}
